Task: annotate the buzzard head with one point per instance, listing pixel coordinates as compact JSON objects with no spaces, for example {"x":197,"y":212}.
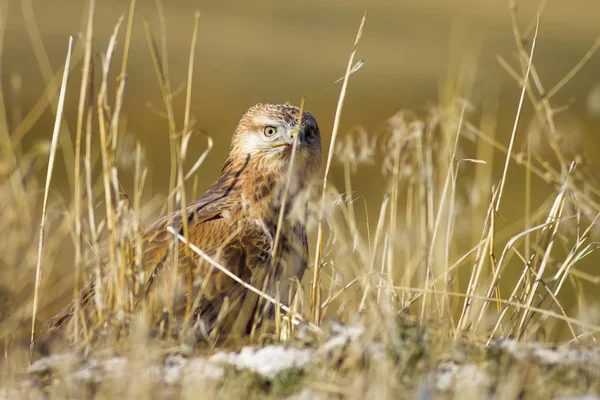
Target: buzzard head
{"x":267,"y":135}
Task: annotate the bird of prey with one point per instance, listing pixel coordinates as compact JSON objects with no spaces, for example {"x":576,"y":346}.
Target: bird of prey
{"x":237,"y":222}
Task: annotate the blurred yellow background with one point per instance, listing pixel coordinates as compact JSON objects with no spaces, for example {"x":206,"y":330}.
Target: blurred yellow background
{"x":270,"y":51}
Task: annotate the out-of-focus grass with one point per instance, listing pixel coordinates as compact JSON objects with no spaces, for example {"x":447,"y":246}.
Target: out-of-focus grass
{"x":410,"y":261}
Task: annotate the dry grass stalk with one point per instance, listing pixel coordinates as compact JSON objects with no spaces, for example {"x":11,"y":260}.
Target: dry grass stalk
{"x":52,"y":157}
{"x":316,"y":284}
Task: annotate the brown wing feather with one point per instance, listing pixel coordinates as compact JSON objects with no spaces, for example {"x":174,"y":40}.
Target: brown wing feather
{"x":237,"y":243}
{"x":210,"y":216}
{"x":243,"y":248}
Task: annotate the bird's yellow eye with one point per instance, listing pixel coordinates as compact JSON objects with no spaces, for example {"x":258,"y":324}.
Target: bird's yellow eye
{"x":270,"y":131}
{"x":310,"y":134}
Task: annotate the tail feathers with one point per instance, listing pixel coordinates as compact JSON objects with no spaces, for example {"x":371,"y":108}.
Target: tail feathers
{"x":59,"y":322}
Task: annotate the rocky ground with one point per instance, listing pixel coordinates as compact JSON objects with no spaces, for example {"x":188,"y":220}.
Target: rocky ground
{"x":348,"y":364}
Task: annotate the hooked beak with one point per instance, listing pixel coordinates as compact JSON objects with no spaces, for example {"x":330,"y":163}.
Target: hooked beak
{"x":281,"y":144}
{"x":289,"y":144}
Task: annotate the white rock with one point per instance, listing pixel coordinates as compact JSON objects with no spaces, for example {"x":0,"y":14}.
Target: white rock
{"x":200,"y":369}
{"x":55,"y":361}
{"x":267,"y":361}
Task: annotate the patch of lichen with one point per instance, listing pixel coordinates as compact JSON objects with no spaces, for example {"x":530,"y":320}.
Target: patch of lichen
{"x":288,"y":381}
{"x":245,"y":384}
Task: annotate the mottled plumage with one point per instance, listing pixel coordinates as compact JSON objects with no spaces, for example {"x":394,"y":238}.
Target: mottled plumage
{"x":235,"y":222}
